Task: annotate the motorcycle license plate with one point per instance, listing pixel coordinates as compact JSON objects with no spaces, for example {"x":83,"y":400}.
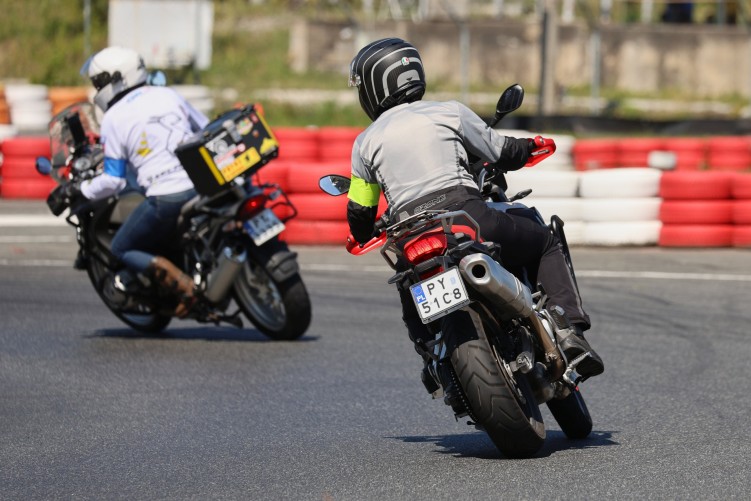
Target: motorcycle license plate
{"x":263,"y":226}
{"x":439,"y":295}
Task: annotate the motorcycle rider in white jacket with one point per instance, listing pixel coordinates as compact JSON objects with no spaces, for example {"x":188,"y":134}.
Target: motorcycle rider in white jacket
{"x":416,"y":153}
{"x":141,"y":127}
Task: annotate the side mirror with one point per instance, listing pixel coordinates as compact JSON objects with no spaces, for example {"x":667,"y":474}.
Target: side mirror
{"x":510,"y":100}
{"x":334,"y":184}
{"x":157,"y":78}
{"x":43,"y":166}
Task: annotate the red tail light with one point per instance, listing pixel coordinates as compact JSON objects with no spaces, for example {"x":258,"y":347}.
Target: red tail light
{"x":425,"y":247}
{"x":251,"y":207}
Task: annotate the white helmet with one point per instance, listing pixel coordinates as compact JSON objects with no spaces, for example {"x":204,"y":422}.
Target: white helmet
{"x":114,"y":71}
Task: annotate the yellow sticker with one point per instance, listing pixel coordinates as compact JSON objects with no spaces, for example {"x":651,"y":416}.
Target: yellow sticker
{"x":241,"y":164}
{"x":268,"y":144}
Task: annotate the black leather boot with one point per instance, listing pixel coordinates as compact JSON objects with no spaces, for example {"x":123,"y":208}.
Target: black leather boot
{"x":575,"y":345}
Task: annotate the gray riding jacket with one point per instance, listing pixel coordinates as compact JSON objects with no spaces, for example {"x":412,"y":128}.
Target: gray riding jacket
{"x":417,"y":149}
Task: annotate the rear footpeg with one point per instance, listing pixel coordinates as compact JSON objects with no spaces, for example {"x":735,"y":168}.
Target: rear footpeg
{"x":216,"y":318}
{"x":571,"y":376}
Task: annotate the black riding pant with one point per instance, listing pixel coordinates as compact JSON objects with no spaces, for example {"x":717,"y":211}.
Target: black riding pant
{"x":524,"y":243}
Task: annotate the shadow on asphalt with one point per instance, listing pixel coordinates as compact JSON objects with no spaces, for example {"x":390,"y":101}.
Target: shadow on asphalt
{"x":478,"y":444}
{"x":199,"y":333}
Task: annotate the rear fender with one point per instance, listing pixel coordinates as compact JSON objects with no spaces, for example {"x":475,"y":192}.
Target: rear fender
{"x":276,"y":258}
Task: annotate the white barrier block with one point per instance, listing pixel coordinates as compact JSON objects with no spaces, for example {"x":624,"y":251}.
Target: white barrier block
{"x":620,"y":183}
{"x":629,"y":233}
{"x":543,"y":183}
{"x":620,"y":209}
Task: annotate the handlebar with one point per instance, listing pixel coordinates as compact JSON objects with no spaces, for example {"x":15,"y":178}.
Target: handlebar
{"x":357,"y":249}
{"x":540,"y":149}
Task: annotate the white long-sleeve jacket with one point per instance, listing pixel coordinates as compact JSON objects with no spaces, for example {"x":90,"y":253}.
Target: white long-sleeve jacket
{"x":141,"y":132}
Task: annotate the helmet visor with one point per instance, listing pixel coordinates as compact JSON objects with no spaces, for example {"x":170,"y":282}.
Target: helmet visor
{"x":84,"y":71}
{"x":354,"y":78}
{"x":101,"y":80}
{"x":98,"y":81}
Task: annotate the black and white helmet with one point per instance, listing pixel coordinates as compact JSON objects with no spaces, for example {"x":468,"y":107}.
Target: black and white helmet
{"x":386,"y":73}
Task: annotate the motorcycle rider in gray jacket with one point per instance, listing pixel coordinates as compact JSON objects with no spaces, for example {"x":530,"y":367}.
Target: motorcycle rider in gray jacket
{"x":417,"y":154}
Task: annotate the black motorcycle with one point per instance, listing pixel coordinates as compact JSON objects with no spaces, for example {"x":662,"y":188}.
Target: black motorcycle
{"x":494,"y":352}
{"x":227,"y":242}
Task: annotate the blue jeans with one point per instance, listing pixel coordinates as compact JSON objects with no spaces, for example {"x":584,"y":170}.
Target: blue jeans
{"x":146,"y":231}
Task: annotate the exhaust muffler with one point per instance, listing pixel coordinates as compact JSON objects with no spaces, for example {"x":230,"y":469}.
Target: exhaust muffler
{"x":506,"y":293}
{"x":222,"y":278}
{"x":509,"y":298}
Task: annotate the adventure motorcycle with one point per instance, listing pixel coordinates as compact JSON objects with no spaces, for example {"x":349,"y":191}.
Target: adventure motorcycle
{"x":495,"y":354}
{"x":226,"y":242}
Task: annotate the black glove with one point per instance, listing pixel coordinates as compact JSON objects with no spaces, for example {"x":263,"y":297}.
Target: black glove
{"x":65,"y":195}
{"x":72,"y":193}
{"x":515,"y":153}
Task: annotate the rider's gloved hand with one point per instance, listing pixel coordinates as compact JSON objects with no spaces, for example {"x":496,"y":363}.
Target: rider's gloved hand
{"x":71,"y":192}
{"x":514,"y":154}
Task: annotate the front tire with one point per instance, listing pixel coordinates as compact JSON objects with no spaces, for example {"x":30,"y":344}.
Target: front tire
{"x":151,"y":321}
{"x":572,"y":415}
{"x":281,"y":310}
{"x":504,"y":405}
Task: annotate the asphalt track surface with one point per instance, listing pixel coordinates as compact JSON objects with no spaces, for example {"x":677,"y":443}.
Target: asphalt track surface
{"x":92,"y":410}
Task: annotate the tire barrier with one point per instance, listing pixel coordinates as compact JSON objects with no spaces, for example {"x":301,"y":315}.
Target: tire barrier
{"x":697,"y":209}
{"x":620,"y":207}
{"x":335,"y":143}
{"x":690,"y":153}
{"x":592,"y":154}
{"x":29,"y":106}
{"x":297,"y":144}
{"x":700,"y":185}
{"x":696,"y":235}
{"x":742,"y":236}
{"x":620,"y":183}
{"x":634,"y":152}
{"x":722,"y":153}
{"x":62,"y":97}
{"x":729,"y":153}
{"x":701,"y":201}
{"x":18,"y":176}
{"x":4,"y":109}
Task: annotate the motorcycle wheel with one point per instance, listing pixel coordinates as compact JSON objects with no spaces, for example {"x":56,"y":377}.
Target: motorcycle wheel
{"x":281,"y":310}
{"x":504,"y":405}
{"x":572,"y":415}
{"x":150,"y":321}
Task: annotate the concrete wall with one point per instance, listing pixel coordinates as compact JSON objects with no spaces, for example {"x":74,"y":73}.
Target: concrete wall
{"x":703,"y":61}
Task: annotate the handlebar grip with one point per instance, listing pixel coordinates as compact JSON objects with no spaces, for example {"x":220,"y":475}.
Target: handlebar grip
{"x":540,"y":149}
{"x":351,"y":243}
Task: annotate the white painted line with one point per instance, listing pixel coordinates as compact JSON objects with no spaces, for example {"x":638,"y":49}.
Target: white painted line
{"x":23,"y":220}
{"x":385,"y":270}
{"x":342,"y":267}
{"x":652,"y":275}
{"x":37,"y":263}
{"x":35,"y":239}
{"x":660,"y":275}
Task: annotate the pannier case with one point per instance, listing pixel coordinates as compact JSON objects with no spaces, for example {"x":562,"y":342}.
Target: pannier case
{"x":238,"y":142}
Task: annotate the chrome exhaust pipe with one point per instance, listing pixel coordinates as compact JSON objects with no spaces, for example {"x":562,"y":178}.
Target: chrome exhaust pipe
{"x":222,"y":278}
{"x":508,"y":295}
{"x":509,"y":298}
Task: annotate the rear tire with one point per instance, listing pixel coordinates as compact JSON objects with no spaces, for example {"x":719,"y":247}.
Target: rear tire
{"x":502,"y":404}
{"x":281,"y":310}
{"x":572,"y":415}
